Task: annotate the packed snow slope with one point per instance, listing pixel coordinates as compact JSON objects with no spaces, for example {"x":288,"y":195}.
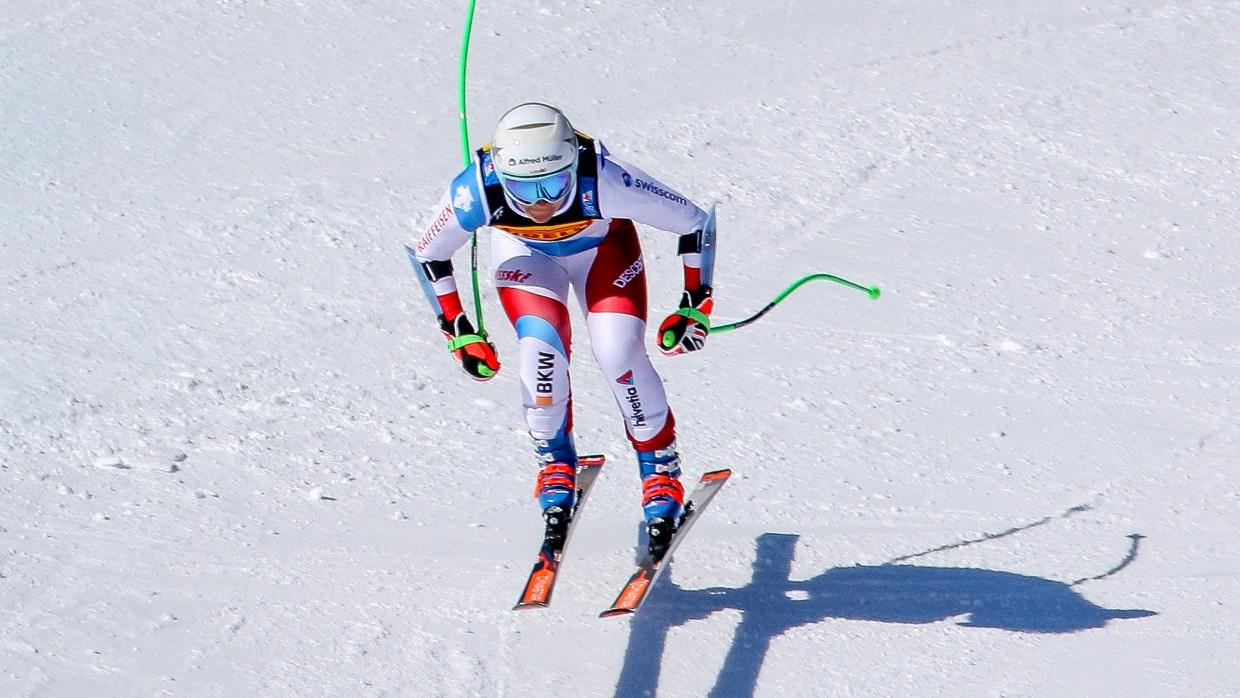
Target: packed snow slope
{"x":236,"y":459}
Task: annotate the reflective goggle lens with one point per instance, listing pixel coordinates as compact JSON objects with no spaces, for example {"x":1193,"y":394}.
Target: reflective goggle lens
{"x":552,"y":187}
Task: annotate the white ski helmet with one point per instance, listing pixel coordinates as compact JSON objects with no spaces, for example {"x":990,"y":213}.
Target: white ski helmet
{"x":533,"y":140}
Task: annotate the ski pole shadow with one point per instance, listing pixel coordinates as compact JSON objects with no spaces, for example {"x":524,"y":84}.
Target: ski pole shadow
{"x":772,"y":604}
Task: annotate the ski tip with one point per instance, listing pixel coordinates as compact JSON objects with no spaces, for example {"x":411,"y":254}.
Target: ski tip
{"x":717,"y":475}
{"x":595,"y":460}
{"x":524,"y":606}
{"x":613,"y":612}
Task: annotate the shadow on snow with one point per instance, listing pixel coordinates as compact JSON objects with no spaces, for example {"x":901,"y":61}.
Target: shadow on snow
{"x":772,"y":604}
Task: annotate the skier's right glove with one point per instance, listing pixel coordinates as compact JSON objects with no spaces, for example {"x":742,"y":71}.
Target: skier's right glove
{"x":476,"y":354}
{"x":686,"y":329}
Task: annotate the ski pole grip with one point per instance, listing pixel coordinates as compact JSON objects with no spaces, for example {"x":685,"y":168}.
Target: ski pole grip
{"x":465,"y":340}
{"x":669,"y":338}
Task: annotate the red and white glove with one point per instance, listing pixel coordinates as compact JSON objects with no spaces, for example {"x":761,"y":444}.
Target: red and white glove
{"x":476,"y":354}
{"x":686,"y":329}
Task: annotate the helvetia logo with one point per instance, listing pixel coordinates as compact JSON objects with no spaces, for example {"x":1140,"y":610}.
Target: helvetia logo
{"x":636,"y":414}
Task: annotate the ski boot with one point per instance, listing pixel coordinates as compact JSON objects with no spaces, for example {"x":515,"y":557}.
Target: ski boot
{"x":557,"y":485}
{"x":663,"y":497}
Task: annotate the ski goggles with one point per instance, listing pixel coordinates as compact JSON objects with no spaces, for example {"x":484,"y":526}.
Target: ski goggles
{"x":551,"y":188}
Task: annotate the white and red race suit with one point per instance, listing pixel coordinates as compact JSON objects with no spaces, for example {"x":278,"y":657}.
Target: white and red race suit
{"x":590,"y":247}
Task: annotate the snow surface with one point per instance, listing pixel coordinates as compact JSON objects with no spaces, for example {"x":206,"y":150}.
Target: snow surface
{"x":237,"y":461}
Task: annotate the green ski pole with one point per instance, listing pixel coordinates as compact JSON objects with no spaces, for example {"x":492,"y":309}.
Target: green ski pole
{"x":473,"y":244}
{"x":872,"y":291}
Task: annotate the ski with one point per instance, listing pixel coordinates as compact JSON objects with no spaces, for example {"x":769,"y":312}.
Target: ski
{"x":538,"y":588}
{"x":651,"y":566}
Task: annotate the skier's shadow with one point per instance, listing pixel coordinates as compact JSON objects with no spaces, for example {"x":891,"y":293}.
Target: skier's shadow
{"x":771,"y":604}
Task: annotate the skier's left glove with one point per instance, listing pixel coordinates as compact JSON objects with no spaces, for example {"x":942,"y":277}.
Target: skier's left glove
{"x":686,"y":329}
{"x":476,"y":354}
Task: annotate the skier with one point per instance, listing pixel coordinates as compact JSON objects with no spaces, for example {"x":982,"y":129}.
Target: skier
{"x":561,"y":209}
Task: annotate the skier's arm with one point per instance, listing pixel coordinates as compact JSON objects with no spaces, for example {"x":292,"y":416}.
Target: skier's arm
{"x":432,"y":260}
{"x":686,"y":329}
{"x":626,"y":191}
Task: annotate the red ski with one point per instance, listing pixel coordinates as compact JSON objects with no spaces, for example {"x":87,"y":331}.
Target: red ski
{"x":538,"y":588}
{"x":651,"y":566}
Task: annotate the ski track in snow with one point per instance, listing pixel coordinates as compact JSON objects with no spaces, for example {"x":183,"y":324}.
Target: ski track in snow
{"x":236,"y":460}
